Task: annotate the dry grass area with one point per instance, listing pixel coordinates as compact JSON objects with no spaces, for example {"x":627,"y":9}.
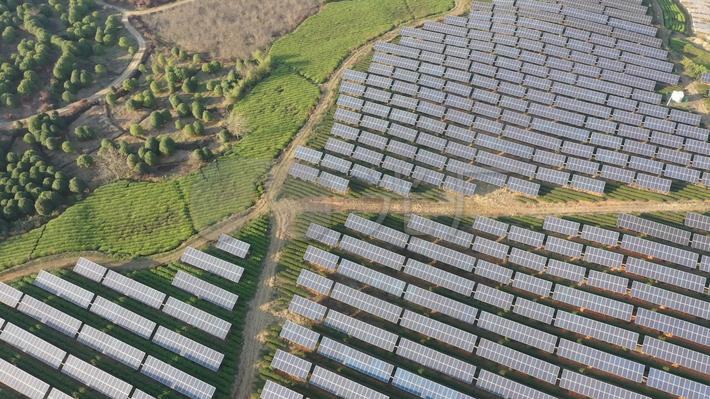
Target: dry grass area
{"x":227,"y":29}
{"x":139,"y":4}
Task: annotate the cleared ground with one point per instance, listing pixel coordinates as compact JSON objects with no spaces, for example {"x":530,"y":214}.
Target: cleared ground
{"x":231,"y":29}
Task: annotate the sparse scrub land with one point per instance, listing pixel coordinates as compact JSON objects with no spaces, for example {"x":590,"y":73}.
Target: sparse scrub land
{"x":56,"y":51}
{"x":227,"y":31}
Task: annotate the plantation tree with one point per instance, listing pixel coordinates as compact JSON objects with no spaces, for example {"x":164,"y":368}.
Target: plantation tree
{"x":136,"y":130}
{"x":84,"y":161}
{"x":68,"y":147}
{"x":76,"y":186}
{"x":166,"y":146}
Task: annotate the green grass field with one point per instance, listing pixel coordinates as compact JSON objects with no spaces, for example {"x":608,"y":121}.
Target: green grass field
{"x":256,"y":233}
{"x":155,"y":217}
{"x":673,"y":16}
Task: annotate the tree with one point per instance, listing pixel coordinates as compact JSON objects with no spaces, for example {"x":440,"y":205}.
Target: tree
{"x":67,"y":96}
{"x":130,"y":84}
{"x":84,"y":133}
{"x":141,"y":168}
{"x":9,"y":34}
{"x":84,"y":161}
{"x":136,"y":130}
{"x":197,"y":109}
{"x":76,"y":186}
{"x":44,"y":206}
{"x":166,"y":146}
{"x":150,"y":158}
{"x":68,"y":147}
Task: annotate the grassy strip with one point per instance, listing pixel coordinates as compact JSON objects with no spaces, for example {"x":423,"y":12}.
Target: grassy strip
{"x":323,"y":41}
{"x":673,"y":16}
{"x":256,"y":233}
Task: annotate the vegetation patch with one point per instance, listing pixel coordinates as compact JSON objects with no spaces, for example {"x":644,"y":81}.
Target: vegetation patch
{"x":56,"y":51}
{"x":673,"y":16}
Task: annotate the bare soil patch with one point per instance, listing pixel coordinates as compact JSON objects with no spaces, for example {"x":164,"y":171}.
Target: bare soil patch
{"x":227,"y":29}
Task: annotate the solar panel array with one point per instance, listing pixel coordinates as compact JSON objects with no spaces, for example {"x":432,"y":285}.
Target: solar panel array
{"x":103,"y":342}
{"x":451,"y":334}
{"x":212,"y":264}
{"x":517,"y":79}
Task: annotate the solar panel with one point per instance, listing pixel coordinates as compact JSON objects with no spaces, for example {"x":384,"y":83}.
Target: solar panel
{"x":50,"y":316}
{"x":212,"y":264}
{"x":603,"y":257}
{"x":676,"y":354}
{"x":440,"y":304}
{"x":654,"y":229}
{"x":197,"y":318}
{"x":92,"y":271}
{"x":57,"y":394}
{"x":562,"y":226}
{"x":442,"y":254}
{"x":361,"y":330}
{"x":96,"y":378}
{"x":490,"y":226}
{"x":519,"y":361}
{"x":355,"y":359}
{"x":587,"y":184}
{"x":323,"y":235}
{"x":204,"y":290}
{"x":321,"y":258}
{"x":332,"y":182}
{"x":366,"y":303}
{"x":436,"y":360}
{"x":534,"y":310}
{"x":372,"y":252}
{"x":439,"y":277}
{"x":177,"y":380}
{"x":493,"y":272}
{"x":490,"y":248}
{"x":342,"y":387}
{"x":517,"y":332}
{"x":594,"y":388}
{"x":596,"y":329}
{"x":315,"y":282}
{"x":438,"y":330}
{"x":527,"y":259}
{"x":232,"y":246}
{"x":676,"y":385}
{"x":600,"y":235}
{"x":133,"y":289}
{"x":123,"y":317}
{"x":188,"y":348}
{"x":9,"y":295}
{"x":532,"y":284}
{"x":335,"y":163}
{"x":670,"y":299}
{"x":697,"y":221}
{"x":493,"y":297}
{"x":307,"y":308}
{"x":525,"y":236}
{"x":508,"y":389}
{"x":32,"y":345}
{"x":376,"y":230}
{"x":661,"y":251}
{"x":111,"y":347}
{"x":563,"y":247}
{"x":64,"y":289}
{"x":18,"y":380}
{"x":309,"y":154}
{"x":273,"y":390}
{"x":665,"y":274}
{"x":422,"y":387}
{"x":604,"y":361}
{"x":593,"y":302}
{"x":371,"y":277}
{"x":299,"y":335}
{"x":303,"y":172}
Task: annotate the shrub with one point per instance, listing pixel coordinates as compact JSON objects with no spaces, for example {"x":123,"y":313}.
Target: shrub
{"x":84,"y":161}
